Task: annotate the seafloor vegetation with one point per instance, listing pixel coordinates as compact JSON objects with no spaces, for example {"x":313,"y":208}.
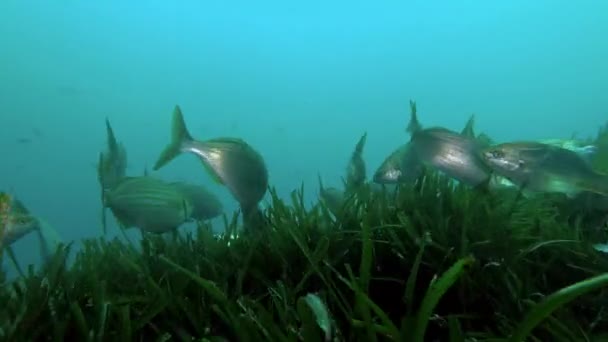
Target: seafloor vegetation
{"x":429,"y":262}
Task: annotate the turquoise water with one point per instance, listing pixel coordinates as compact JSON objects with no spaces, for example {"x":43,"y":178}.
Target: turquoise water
{"x":299,"y":82}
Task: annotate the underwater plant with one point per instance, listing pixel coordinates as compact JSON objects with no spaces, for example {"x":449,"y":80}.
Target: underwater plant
{"x":600,"y":159}
{"x":430,"y":261}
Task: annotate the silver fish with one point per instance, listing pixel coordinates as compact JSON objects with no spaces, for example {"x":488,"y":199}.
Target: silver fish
{"x":15,"y":220}
{"x":231,"y":161}
{"x":401,"y":166}
{"x":538,"y":167}
{"x":587,"y":151}
{"x":452,"y":153}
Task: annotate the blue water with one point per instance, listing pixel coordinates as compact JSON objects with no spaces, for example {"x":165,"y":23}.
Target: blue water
{"x":300,"y":81}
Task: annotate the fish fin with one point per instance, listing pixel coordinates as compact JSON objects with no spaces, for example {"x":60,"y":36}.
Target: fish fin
{"x":253,"y":218}
{"x":414,"y":125}
{"x":588,"y":152}
{"x":568,"y":188}
{"x":112,"y":142}
{"x":49,"y":240}
{"x":468,"y":130}
{"x":13,"y":257}
{"x":601,"y":247}
{"x":484,"y":186}
{"x":361,"y":144}
{"x":19,"y":207}
{"x":179,"y":137}
{"x":120,"y":220}
{"x":598,"y":185}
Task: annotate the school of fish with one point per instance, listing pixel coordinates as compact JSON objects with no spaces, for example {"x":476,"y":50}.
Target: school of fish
{"x":156,"y":205}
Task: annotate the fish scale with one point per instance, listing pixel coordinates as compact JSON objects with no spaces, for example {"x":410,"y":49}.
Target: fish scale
{"x":148,"y":203}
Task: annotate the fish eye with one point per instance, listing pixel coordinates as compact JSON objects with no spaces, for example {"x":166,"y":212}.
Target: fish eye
{"x":496,"y":154}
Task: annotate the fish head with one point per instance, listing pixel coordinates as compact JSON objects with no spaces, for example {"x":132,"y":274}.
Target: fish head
{"x":502,"y":158}
{"x":16,"y":226}
{"x":516,"y":162}
{"x":387,"y":174}
{"x":401,"y":166}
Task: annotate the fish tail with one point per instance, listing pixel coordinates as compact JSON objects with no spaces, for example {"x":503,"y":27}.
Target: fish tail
{"x":13,"y":257}
{"x":253,"y":218}
{"x":49,"y":240}
{"x":45,"y":251}
{"x":179,"y":138}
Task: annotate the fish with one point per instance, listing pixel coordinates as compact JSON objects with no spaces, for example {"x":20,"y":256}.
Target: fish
{"x":112,"y":163}
{"x":205,"y":204}
{"x":587,"y":151}
{"x":482,"y":139}
{"x":148,"y":203}
{"x":231,"y":162}
{"x":356,"y":169}
{"x":401,"y":166}
{"x":24,"y":140}
{"x":447,"y":151}
{"x":537,"y":167}
{"x":333,"y":198}
{"x":15,"y":220}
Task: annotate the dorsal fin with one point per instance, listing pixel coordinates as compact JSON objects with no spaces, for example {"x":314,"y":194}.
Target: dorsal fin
{"x":19,"y":207}
{"x":361,"y":144}
{"x":414,"y":125}
{"x":468,"y":130}
{"x":112,"y":142}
